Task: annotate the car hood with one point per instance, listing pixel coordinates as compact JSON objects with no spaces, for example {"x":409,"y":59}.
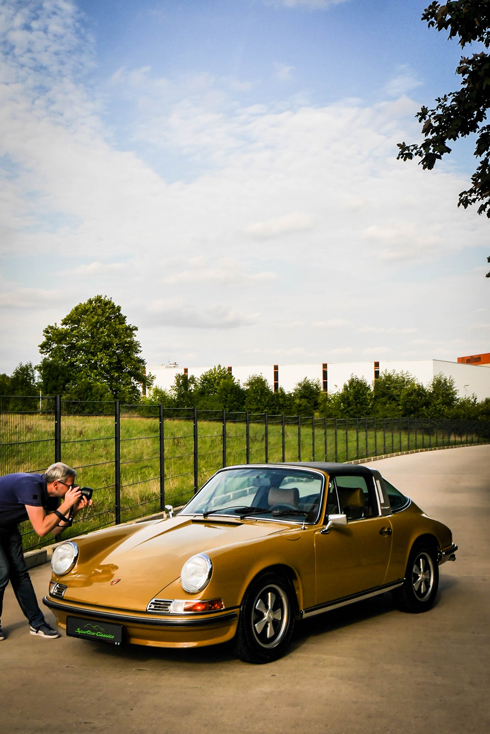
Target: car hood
{"x":129,"y":574}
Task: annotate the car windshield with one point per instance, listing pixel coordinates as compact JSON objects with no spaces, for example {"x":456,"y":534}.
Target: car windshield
{"x":275,"y":492}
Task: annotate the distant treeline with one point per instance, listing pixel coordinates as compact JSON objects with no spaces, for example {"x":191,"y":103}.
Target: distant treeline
{"x":392,"y":395}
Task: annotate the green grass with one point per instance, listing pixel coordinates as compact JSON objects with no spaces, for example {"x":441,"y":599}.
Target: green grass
{"x":88,"y":444}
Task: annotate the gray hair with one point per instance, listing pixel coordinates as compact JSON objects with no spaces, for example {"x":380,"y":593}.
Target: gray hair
{"x":59,"y":472}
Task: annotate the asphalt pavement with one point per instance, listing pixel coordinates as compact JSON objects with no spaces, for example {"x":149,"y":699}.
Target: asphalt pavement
{"x":358,"y":670}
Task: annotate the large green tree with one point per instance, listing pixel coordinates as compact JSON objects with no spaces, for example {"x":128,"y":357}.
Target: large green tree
{"x":463,"y":112}
{"x":93,"y":354}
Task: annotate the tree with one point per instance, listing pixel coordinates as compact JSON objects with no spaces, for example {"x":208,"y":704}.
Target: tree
{"x":387,"y":391}
{"x":463,"y":112}
{"x":307,"y":394}
{"x":356,"y":398}
{"x":259,"y":395}
{"x":22,"y":381}
{"x":443,"y":396}
{"x":93,"y":355}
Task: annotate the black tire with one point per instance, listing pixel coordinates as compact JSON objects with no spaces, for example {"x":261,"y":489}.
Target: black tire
{"x":419,"y":591}
{"x":266,"y":620}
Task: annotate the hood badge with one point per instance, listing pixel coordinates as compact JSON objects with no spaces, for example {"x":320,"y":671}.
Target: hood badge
{"x":115,"y":581}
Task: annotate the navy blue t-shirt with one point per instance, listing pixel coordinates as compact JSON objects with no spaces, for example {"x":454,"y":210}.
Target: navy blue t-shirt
{"x":19,"y":490}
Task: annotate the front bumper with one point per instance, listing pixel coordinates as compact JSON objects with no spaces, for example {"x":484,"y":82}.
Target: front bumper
{"x":194,"y":630}
{"x":447,"y":554}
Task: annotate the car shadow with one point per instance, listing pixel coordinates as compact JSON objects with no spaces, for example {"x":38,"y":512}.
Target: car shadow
{"x":321,"y":624}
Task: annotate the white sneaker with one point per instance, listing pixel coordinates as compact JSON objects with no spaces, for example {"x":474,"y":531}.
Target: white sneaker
{"x":45,"y":630}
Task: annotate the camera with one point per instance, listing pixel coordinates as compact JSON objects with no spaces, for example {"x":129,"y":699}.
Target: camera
{"x":87,"y":492}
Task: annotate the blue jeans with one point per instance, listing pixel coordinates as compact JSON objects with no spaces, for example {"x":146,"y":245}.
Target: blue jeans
{"x":13,"y":568}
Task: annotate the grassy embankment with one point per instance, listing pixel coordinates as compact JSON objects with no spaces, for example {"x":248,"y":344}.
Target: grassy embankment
{"x":88,"y":444}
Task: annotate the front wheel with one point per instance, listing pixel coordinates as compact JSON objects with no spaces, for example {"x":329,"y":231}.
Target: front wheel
{"x":266,"y":620}
{"x":419,"y":591}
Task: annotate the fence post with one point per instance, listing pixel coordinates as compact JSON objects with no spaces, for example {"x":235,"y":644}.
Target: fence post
{"x":357,"y":438}
{"x":283,"y":437}
{"x":346,"y":439}
{"x":266,"y":438}
{"x":117,"y":462}
{"x":366,"y":428}
{"x":313,"y":438}
{"x":196,"y":453}
{"x":162,"y":456}
{"x":325,"y":437}
{"x":247,"y":437}
{"x":336,"y":442}
{"x":299,"y":438}
{"x":375,"y":438}
{"x":224,"y":437}
{"x":57,"y":428}
{"x":384,"y":436}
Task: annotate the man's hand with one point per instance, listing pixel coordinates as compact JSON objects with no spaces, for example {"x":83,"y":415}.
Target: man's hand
{"x":72,"y":496}
{"x":83,"y":502}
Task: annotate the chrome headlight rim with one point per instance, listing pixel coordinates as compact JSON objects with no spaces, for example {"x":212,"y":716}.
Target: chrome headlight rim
{"x":206,"y":575}
{"x":73,"y":561}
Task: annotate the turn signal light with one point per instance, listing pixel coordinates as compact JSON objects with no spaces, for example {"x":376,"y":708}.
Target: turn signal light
{"x":213,"y":605}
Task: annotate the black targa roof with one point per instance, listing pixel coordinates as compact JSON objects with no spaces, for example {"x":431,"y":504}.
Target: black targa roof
{"x":329,"y":467}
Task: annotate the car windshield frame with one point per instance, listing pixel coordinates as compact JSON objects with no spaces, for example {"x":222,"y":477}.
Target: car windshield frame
{"x":242,"y":509}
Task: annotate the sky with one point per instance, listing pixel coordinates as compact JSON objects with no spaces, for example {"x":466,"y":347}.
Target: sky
{"x":225,"y":171}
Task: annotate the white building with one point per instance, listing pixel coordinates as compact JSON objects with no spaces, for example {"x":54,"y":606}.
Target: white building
{"x":469,"y":379}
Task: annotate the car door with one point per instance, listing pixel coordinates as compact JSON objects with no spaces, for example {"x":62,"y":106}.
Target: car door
{"x":352,"y":558}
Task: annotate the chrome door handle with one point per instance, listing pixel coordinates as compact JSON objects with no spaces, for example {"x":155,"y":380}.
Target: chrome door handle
{"x":385,"y":531}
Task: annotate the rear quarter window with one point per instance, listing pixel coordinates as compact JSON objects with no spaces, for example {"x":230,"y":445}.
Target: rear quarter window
{"x":398,"y":501}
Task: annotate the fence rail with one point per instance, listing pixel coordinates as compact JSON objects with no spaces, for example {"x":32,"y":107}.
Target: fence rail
{"x":140,"y":457}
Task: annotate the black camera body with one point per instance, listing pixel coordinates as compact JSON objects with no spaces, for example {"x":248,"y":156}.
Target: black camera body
{"x":87,"y":492}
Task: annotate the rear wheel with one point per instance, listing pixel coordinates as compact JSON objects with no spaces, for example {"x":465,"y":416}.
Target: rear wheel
{"x":266,"y":620}
{"x":419,"y":591}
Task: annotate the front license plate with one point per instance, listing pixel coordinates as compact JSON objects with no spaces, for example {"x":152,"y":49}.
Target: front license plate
{"x":90,"y":630}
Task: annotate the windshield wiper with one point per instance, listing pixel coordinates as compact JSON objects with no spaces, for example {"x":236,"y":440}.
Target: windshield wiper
{"x":237,"y":509}
{"x":278,"y":513}
{"x":244,"y":511}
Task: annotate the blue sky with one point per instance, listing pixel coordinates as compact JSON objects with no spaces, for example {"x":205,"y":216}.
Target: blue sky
{"x":226,"y":171}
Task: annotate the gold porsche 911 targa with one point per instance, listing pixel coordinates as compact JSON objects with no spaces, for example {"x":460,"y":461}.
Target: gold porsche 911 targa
{"x":256,"y":549}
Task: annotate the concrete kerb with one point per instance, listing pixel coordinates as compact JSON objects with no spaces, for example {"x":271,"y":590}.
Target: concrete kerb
{"x":43,"y":555}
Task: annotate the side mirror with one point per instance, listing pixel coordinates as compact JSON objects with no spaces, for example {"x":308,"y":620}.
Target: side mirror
{"x":334,"y":521}
{"x":170,"y":510}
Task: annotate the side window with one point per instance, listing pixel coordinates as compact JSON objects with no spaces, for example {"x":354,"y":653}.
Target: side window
{"x":398,"y":501}
{"x":357,"y":497}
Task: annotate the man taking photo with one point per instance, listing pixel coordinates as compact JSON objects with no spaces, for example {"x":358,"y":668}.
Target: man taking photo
{"x":34,"y":497}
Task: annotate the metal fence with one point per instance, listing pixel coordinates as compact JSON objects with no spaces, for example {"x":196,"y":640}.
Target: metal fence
{"x":140,"y":457}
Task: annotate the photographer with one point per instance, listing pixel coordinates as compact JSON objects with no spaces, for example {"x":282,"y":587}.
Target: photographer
{"x":35,"y":497}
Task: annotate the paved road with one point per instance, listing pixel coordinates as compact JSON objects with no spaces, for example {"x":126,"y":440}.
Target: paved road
{"x":360,"y":670}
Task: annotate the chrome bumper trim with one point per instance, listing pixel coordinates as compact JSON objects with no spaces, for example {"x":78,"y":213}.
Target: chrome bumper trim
{"x":219,"y":618}
{"x":447,"y":554}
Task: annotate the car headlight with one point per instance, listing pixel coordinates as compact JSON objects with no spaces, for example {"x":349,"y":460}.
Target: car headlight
{"x":64,"y":558}
{"x":196,"y":573}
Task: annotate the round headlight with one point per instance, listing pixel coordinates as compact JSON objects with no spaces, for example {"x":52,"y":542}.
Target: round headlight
{"x":64,"y":558}
{"x":196,"y":573}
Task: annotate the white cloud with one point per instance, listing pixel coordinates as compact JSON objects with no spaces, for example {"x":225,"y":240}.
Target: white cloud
{"x":290,"y":223}
{"x":331,"y":324}
{"x":312,"y":4}
{"x":224,"y":272}
{"x":98,"y":268}
{"x":402,"y":82}
{"x":283,"y":72}
{"x":30,"y":298}
{"x":386,"y":330}
{"x":276,"y":220}
{"x":178,"y":313}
